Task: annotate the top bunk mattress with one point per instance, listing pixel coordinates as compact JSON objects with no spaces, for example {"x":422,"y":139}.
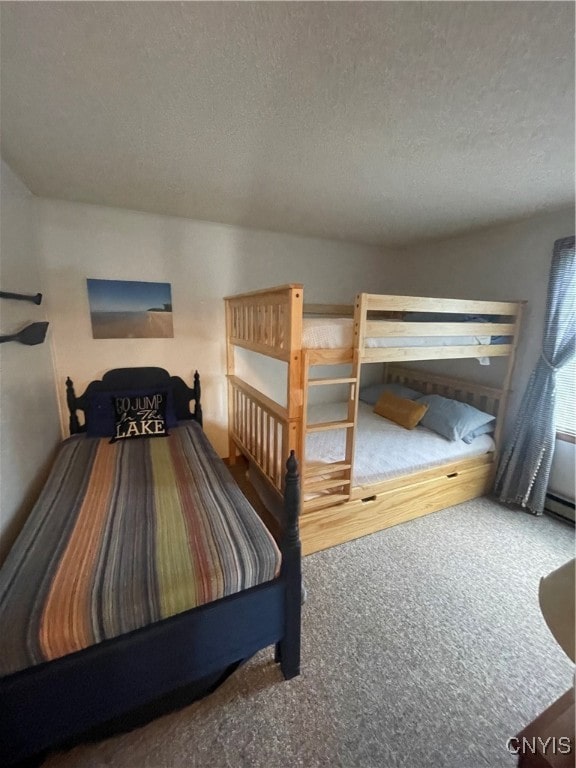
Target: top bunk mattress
{"x":125,"y":535}
{"x":384,"y":450}
{"x":338,"y":333}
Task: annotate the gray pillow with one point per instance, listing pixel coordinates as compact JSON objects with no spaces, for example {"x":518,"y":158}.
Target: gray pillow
{"x":371,"y":393}
{"x":452,"y":419}
{"x":485,"y":429}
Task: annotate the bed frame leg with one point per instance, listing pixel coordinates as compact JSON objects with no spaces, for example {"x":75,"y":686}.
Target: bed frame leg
{"x":288,"y":649}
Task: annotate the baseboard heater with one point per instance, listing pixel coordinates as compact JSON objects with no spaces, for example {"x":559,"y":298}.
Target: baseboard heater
{"x":556,"y":505}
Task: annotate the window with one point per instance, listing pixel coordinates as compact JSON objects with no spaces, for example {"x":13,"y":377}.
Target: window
{"x":566,"y":402}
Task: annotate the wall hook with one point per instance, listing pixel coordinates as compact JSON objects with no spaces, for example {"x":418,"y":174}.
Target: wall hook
{"x":32,"y":334}
{"x":36,"y":299}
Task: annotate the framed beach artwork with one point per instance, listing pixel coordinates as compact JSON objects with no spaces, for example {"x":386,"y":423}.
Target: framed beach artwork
{"x":130,"y":309}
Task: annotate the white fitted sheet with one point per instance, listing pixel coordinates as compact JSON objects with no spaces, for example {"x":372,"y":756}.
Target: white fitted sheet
{"x":383,"y":449}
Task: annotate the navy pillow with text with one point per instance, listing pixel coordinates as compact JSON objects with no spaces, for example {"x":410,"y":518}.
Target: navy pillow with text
{"x":101,"y":414}
{"x":141,"y":415}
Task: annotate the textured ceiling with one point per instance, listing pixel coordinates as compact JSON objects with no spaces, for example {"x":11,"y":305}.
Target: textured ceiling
{"x":372,"y":122}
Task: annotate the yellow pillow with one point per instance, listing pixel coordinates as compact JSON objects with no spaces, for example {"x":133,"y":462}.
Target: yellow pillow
{"x":404,"y":412}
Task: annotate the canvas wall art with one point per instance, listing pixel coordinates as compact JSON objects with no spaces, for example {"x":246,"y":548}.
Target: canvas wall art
{"x":130,"y":309}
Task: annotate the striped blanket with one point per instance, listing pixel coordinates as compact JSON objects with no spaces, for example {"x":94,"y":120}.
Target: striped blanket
{"x":124,"y":535}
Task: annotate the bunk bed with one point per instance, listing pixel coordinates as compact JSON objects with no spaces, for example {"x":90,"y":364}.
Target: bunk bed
{"x":338,"y":504}
{"x":142,"y":578}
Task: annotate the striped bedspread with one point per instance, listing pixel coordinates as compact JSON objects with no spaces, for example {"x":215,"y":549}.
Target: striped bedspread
{"x":124,"y":535}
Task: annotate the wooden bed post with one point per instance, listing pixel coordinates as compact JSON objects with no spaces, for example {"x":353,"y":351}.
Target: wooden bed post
{"x":288,"y":649}
{"x":294,"y":382}
{"x":360,"y":316}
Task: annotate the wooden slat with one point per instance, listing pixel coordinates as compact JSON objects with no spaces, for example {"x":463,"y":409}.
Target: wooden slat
{"x":270,"y":331}
{"x":326,"y":425}
{"x":384,"y":354}
{"x":231,"y":393}
{"x":252,"y":428}
{"x":322,"y":382}
{"x":276,"y":473}
{"x":261,"y":441}
{"x":387,"y":303}
{"x":384,"y":328}
{"x":330,"y":356}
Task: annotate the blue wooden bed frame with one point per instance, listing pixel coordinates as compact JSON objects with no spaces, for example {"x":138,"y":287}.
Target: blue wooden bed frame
{"x":126,"y":681}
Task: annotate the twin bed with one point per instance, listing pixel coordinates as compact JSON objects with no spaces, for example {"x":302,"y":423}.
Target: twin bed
{"x":360,"y":473}
{"x":142,"y":577}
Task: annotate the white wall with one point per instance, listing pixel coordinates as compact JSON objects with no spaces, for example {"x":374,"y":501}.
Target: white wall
{"x":501,"y":263}
{"x":204,"y":262}
{"x":29,"y":426}
{"x":563,"y":468}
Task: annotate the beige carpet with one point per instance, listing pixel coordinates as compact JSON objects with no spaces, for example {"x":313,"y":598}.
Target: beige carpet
{"x":423,"y":647}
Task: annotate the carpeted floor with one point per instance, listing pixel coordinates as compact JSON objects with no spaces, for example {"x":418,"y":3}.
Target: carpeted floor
{"x":423,"y":647}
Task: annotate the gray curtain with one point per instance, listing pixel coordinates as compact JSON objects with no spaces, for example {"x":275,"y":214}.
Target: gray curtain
{"x":523,"y":471}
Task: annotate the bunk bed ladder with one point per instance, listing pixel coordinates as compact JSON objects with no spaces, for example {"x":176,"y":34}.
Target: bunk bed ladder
{"x":329,"y":482}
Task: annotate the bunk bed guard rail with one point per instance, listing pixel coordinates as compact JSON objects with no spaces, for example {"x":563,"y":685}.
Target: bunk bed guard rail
{"x":268,"y":322}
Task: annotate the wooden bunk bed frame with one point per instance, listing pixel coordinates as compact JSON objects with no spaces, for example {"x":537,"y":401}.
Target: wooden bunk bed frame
{"x":271,"y":322}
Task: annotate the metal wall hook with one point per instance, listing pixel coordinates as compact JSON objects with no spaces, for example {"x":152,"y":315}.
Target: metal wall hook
{"x":32,"y":334}
{"x":36,"y":299}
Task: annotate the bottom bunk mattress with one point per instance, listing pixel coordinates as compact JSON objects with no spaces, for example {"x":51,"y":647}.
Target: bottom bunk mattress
{"x":384,"y":450}
{"x":124,"y":535}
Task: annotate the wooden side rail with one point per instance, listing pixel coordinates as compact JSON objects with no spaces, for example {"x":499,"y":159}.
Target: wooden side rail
{"x":504,"y":316}
{"x":268,"y":322}
{"x":448,"y":352}
{"x":382,"y":329}
{"x":376,"y":302}
{"x":260,"y":429}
